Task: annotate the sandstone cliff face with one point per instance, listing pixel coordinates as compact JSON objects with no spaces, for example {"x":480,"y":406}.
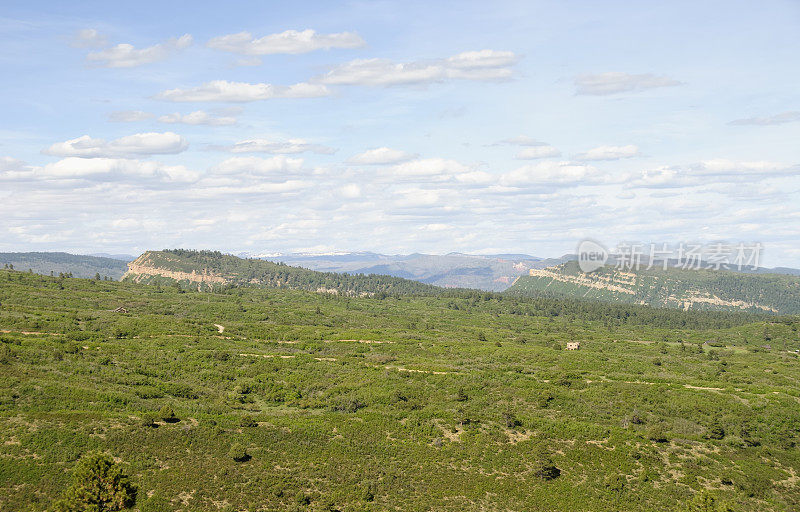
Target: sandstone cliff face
{"x":143,"y":266}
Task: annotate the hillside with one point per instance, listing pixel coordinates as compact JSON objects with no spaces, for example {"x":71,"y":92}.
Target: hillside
{"x":673,"y":287}
{"x":54,"y":263}
{"x":210,"y":270}
{"x":464,"y":402}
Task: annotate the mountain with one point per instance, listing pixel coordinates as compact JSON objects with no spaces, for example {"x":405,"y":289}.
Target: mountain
{"x":673,"y":287}
{"x":124,"y":257}
{"x":209,"y":270}
{"x":484,"y":272}
{"x":63,"y":263}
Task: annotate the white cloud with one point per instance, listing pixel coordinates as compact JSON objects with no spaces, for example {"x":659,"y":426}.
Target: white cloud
{"x":712,"y":172}
{"x":551,"y":173}
{"x":127,"y":56}
{"x":436,"y":227}
{"x":429,"y":168}
{"x":222,"y":90}
{"x":417,"y":197}
{"x":614,"y":83}
{"x":12,"y":169}
{"x":534,"y":152}
{"x":290,"y":41}
{"x":380,"y":156}
{"x":89,"y":38}
{"x":129,"y":116}
{"x":610,"y":153}
{"x":259,"y":166}
{"x":198,"y":117}
{"x":784,"y":117}
{"x":288,"y":147}
{"x":477,"y":65}
{"x":125,"y":147}
{"x":105,"y":169}
{"x":350,"y":191}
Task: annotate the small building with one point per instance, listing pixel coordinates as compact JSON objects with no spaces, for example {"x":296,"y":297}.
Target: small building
{"x":573,"y":345}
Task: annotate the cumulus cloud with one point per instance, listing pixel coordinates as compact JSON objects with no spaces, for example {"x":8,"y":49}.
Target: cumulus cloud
{"x":380,"y":156}
{"x":252,"y":165}
{"x":89,"y":38}
{"x":198,"y":117}
{"x":551,"y":173}
{"x":782,"y":118}
{"x":129,"y":116}
{"x":237,"y":92}
{"x":109,"y":169}
{"x":534,"y":152}
{"x":610,"y":153}
{"x":475,"y":65}
{"x":125,"y":147}
{"x":127,"y":56}
{"x":287,"y":147}
{"x":614,"y":83}
{"x":290,"y":42}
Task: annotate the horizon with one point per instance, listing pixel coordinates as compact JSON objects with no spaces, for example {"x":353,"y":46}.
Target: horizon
{"x":400,"y":128}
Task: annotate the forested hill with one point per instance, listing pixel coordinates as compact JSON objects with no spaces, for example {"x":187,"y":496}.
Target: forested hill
{"x":55,"y":263}
{"x":210,"y":270}
{"x":673,"y":287}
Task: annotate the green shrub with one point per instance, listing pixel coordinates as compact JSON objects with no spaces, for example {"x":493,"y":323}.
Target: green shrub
{"x":167,"y":414}
{"x":98,"y":485}
{"x":238,"y":453}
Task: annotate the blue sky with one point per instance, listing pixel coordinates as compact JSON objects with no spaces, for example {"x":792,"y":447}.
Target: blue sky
{"x":399,"y":126}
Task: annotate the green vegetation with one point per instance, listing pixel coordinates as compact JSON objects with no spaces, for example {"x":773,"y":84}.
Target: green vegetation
{"x":98,"y":485}
{"x":449,"y":401}
{"x":55,"y":263}
{"x":673,"y":287}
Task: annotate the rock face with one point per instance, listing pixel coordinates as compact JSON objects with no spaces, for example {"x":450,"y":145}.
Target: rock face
{"x":672,"y":287}
{"x":143,"y":267}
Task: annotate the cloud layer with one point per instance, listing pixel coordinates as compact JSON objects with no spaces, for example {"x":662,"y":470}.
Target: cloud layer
{"x":475,"y":65}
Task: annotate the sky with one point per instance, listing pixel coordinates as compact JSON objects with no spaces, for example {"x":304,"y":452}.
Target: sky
{"x":399,"y":127}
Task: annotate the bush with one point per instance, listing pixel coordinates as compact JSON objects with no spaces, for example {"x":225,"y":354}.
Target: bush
{"x":167,"y":414}
{"x":656,"y":434}
{"x":511,"y":420}
{"x":148,"y":420}
{"x":715,"y":431}
{"x":543,"y":466}
{"x":238,"y":453}
{"x":98,"y":484}
{"x":248,"y":422}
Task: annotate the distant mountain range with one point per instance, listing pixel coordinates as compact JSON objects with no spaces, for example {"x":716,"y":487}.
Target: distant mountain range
{"x":63,"y":263}
{"x":494,"y":272}
{"x":673,"y":287}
